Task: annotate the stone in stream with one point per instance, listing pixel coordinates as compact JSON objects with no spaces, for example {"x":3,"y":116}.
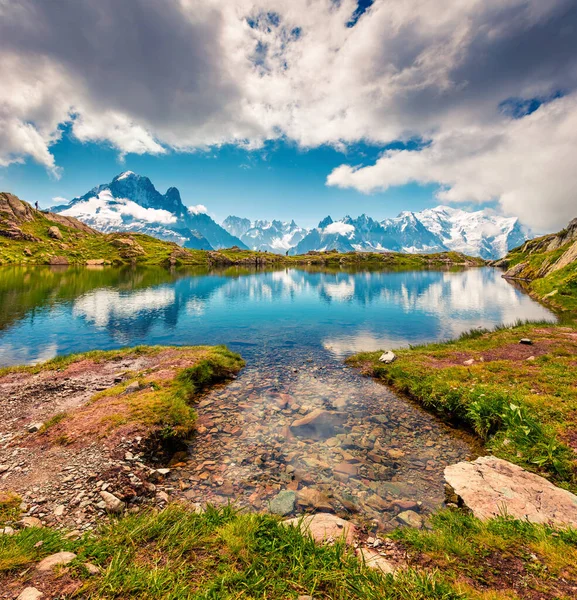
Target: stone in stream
{"x":490,"y":487}
{"x":319,"y":424}
{"x":283,"y":504}
{"x":315,"y":499}
{"x":410,"y":518}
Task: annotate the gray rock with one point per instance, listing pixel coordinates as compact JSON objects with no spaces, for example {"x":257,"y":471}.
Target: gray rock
{"x":324,"y":527}
{"x":283,"y":504}
{"x":33,"y":427}
{"x":387,"y":357}
{"x":4,"y":468}
{"x":490,"y":487}
{"x":31,"y":522}
{"x":60,"y":558}
{"x":113,"y":504}
{"x":526,"y":341}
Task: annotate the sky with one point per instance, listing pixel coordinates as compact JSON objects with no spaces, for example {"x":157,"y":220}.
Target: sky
{"x":296,"y":108}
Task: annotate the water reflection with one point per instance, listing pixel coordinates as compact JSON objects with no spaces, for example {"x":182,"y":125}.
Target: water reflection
{"x":78,"y":309}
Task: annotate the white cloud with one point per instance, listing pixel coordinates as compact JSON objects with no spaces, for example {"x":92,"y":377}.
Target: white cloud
{"x":528,"y":164}
{"x":197,"y":209}
{"x":340,"y":228}
{"x":59,"y":200}
{"x":198,"y":73}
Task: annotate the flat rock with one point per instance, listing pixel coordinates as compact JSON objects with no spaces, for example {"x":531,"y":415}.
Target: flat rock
{"x":60,"y":558}
{"x":30,"y":593}
{"x":325,"y":527}
{"x":490,"y":486}
{"x":319,"y":424}
{"x":283,"y":504}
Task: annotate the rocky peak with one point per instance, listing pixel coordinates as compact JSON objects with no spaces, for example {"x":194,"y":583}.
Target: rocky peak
{"x":325,"y":222}
{"x":14,"y":210}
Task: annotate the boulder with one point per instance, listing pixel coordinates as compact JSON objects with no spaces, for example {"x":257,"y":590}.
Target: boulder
{"x":54,"y":232}
{"x":387,"y":357}
{"x":319,"y":424}
{"x":283,"y":504}
{"x":58,"y":260}
{"x":60,"y":558}
{"x":490,"y":487}
{"x":324,"y":527}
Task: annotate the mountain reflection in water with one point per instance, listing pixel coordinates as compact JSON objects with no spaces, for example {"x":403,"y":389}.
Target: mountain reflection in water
{"x":48,"y":311}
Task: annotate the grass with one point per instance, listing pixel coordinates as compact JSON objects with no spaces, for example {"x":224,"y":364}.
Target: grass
{"x":223,"y":554}
{"x":500,"y":553}
{"x":524,"y":411}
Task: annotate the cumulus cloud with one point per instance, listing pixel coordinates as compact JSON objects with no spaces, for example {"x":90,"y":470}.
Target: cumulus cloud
{"x":149,"y":77}
{"x":197,"y":209}
{"x":528,"y":164}
{"x":339,"y":227}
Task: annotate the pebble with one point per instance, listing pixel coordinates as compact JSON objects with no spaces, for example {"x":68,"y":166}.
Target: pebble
{"x":30,"y":593}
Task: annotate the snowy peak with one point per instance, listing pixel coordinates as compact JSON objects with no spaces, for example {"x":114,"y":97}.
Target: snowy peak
{"x":270,"y":236}
{"x":130,"y":202}
{"x":480,"y":233}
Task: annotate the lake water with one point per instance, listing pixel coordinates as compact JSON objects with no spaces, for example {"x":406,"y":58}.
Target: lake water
{"x":293,"y":327}
{"x":50,"y":311}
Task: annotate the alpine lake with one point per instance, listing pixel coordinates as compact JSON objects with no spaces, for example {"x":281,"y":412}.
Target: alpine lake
{"x":379,"y":456}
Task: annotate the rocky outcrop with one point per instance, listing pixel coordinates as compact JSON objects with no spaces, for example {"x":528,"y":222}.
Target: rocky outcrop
{"x":55,"y":233}
{"x":490,"y":487}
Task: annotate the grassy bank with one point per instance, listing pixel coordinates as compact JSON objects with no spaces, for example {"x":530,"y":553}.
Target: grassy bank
{"x":521,"y":400}
{"x":154,"y":397}
{"x":221,"y":554}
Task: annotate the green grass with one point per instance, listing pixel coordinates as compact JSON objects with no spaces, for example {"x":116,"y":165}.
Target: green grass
{"x":221,"y":555}
{"x":524,"y":411}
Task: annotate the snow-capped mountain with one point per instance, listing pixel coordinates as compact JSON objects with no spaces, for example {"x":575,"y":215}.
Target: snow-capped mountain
{"x":272,"y":236}
{"x":130,"y":202}
{"x":439,"y":229}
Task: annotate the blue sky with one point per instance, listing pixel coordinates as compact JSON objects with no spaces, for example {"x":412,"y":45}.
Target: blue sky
{"x":279,"y":181}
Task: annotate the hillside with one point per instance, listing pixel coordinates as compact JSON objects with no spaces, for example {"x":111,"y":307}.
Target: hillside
{"x":31,"y":236}
{"x":547,"y":267}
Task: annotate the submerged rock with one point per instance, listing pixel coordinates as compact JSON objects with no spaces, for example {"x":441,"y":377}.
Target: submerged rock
{"x":283,"y":504}
{"x":490,"y":487}
{"x":318,"y":425}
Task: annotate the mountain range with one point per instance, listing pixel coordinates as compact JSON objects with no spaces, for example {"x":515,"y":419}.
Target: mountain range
{"x":478,"y":233}
{"x":130,"y":202}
